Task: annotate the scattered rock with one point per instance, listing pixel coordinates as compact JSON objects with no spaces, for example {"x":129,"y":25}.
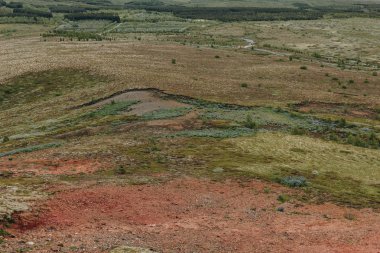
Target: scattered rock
{"x":315,"y":172}
{"x":218,"y":170}
{"x":15,"y":199}
{"x":6,"y":174}
{"x":127,"y":249}
{"x":30,"y":243}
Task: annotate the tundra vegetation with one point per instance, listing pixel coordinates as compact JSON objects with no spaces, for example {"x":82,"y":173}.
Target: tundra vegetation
{"x":224,"y":113}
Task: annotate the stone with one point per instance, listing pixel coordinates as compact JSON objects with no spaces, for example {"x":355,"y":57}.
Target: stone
{"x":128,"y":249}
{"x":218,"y":170}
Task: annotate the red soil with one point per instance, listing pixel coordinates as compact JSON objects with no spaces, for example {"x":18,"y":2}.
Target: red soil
{"x":345,"y":110}
{"x":22,"y":165}
{"x":191,"y":215}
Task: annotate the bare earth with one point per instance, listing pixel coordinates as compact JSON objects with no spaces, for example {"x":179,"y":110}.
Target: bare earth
{"x":192,"y":215}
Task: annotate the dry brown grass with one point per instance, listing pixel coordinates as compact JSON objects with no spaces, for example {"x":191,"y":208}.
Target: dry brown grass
{"x":339,"y":38}
{"x":197,"y":72}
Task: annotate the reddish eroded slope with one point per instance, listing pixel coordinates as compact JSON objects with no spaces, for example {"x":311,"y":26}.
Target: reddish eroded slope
{"x":193,"y":215}
{"x":25,"y":164}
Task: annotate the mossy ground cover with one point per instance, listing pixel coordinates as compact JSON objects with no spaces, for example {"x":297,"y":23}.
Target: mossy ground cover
{"x":350,"y":174}
{"x":334,"y":172}
{"x":167,"y":113}
{"x":44,"y":85}
{"x":280,"y":144}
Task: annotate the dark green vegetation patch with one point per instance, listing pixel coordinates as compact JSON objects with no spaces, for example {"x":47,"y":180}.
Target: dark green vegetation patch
{"x":37,"y":86}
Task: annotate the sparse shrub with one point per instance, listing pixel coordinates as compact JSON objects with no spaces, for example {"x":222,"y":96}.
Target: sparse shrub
{"x":5,"y":139}
{"x":341,"y":123}
{"x":303,"y":67}
{"x":294,"y":181}
{"x":120,"y":170}
{"x":335,"y":79}
{"x":6,"y":174}
{"x":4,"y":233}
{"x":244,"y":85}
{"x":349,"y":216}
{"x":290,"y":58}
{"x":351,"y":81}
{"x":374,"y":73}
{"x":278,"y":109}
{"x":356,"y":141}
{"x":327,"y":74}
{"x":217,"y":56}
{"x":154,"y":148}
{"x":298,"y":131}
{"x":333,"y":137}
{"x":316,"y":55}
{"x":366,"y":81}
{"x":344,"y":87}
{"x":249,"y":123}
{"x":174,"y":61}
{"x":373,"y":140}
{"x":282,"y":198}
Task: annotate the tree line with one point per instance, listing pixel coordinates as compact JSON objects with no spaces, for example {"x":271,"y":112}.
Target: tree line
{"x":232,"y":13}
{"x":301,"y":12}
{"x":93,"y":16}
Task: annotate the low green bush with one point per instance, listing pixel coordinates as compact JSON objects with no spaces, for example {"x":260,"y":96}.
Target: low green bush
{"x":283,"y":198}
{"x":249,"y":123}
{"x":294,"y":181}
{"x":120,"y":170}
